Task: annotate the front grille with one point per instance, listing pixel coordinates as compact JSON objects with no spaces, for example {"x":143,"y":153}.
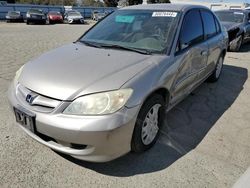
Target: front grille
{"x":38,"y":102}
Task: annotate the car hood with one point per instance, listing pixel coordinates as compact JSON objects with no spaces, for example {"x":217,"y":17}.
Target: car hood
{"x":230,"y":25}
{"x":75,"y":69}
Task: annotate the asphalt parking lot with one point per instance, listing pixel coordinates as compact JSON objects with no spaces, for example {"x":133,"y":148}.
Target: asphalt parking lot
{"x":204,"y":142}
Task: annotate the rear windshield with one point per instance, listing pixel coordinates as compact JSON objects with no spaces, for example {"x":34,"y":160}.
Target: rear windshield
{"x":36,"y":11}
{"x":151,"y":30}
{"x":231,"y":16}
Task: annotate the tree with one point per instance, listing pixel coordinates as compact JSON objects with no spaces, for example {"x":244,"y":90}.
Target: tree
{"x":93,"y":3}
{"x":111,"y":3}
{"x":158,"y":1}
{"x":11,"y":1}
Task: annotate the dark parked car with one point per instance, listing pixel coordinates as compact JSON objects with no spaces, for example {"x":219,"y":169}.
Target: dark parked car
{"x":14,"y":16}
{"x":237,"y":23}
{"x":35,"y":16}
{"x":54,"y":17}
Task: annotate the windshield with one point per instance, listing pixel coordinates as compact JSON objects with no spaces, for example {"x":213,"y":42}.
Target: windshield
{"x":141,"y":29}
{"x":55,"y":13}
{"x":14,"y":13}
{"x":230,"y":16}
{"x":74,"y":14}
{"x":36,"y":11}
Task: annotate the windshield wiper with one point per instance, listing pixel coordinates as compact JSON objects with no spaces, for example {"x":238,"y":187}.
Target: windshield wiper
{"x":92,"y":44}
{"x":100,"y":45}
{"x":141,"y":51}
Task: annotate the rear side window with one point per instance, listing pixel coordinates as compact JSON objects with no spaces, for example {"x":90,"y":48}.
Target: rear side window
{"x":192,"y":31}
{"x":209,"y":24}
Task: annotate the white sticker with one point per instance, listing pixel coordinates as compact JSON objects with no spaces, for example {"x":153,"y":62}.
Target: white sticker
{"x":164,"y":14}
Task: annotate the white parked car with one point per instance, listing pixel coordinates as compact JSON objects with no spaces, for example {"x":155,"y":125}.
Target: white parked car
{"x":73,"y":16}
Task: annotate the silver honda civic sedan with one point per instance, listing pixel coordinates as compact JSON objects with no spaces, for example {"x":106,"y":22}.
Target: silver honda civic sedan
{"x":107,"y":93}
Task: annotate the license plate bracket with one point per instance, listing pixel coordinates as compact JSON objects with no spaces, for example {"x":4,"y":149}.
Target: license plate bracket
{"x":25,"y":118}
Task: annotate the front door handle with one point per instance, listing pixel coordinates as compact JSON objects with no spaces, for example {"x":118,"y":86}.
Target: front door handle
{"x":204,"y":53}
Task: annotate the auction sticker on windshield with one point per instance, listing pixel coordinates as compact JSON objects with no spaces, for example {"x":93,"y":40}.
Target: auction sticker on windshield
{"x":164,"y":14}
{"x":124,"y":19}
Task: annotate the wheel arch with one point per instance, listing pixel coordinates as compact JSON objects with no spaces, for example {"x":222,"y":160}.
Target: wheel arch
{"x":160,"y":91}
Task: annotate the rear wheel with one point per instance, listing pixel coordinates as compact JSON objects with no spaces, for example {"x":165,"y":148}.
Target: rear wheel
{"x":217,"y":71}
{"x":148,"y":124}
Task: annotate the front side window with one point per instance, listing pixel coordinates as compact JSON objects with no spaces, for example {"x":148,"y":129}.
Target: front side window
{"x":209,"y":24}
{"x":151,"y":30}
{"x":192,"y":30}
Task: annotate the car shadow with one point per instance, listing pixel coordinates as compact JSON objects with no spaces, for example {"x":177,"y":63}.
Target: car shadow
{"x":185,"y":127}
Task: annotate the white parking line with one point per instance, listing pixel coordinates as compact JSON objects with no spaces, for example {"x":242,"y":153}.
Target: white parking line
{"x":244,"y":180}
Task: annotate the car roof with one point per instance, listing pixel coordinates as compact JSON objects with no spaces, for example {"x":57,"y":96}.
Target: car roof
{"x":164,"y":6}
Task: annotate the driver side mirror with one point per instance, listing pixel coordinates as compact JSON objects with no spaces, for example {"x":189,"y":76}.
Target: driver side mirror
{"x":183,"y":44}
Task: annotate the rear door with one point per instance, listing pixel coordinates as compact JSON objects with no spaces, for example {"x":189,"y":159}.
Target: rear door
{"x":213,"y":37}
{"x":191,"y":55}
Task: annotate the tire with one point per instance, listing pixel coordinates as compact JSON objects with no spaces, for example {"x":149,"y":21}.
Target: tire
{"x":217,"y":71}
{"x":237,"y":46}
{"x":140,"y":142}
{"x":27,"y":22}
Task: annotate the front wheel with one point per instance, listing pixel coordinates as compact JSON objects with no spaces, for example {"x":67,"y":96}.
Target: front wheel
{"x":148,"y":124}
{"x":217,"y":71}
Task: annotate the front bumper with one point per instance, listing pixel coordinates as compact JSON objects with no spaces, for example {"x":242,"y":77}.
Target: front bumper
{"x":106,"y":137}
{"x":17,"y":19}
{"x":36,"y":20}
{"x":75,"y":20}
{"x":56,"y":19}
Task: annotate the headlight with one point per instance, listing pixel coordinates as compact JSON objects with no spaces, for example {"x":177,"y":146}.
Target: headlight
{"x":18,"y":73}
{"x":27,"y":15}
{"x":100,"y":103}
